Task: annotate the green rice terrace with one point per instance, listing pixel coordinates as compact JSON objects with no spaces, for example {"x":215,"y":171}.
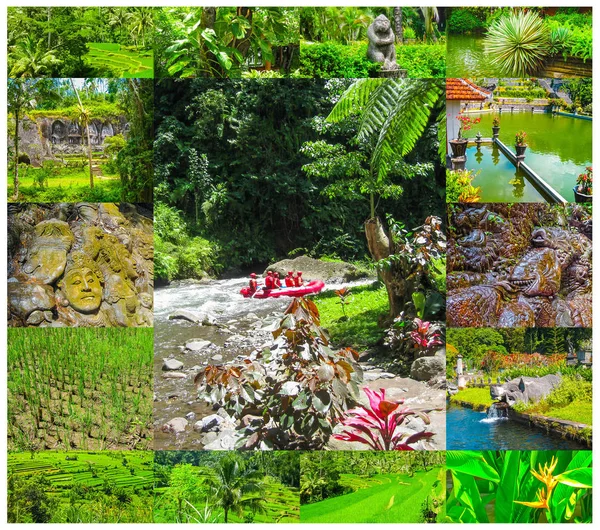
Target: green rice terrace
{"x":80,"y":487}
{"x":85,"y":388}
{"x":120,"y":60}
{"x":390,"y":498}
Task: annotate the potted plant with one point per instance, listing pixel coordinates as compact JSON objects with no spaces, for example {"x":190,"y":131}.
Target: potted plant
{"x":583,"y":188}
{"x":459,"y":144}
{"x":520,"y":143}
{"x":496,"y":126}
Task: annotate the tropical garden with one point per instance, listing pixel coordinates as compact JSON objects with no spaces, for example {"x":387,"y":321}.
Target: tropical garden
{"x":496,"y":356}
{"x":519,"y":487}
{"x":548,"y":121}
{"x":252,"y":172}
{"x":519,"y":42}
{"x":80,"y":487}
{"x":80,"y":42}
{"x":377,"y":487}
{"x":226,"y":41}
{"x":220,"y":487}
{"x":334,"y":41}
{"x":73,"y":140}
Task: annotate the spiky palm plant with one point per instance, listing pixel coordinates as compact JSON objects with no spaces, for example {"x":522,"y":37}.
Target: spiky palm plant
{"x":518,"y":43}
{"x":29,"y":58}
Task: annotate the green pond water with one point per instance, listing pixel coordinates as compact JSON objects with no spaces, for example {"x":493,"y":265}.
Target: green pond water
{"x":465,"y":57}
{"x":559,"y":149}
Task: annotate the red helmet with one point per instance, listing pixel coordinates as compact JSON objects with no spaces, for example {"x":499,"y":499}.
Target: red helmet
{"x":253,"y":275}
{"x":290,"y":273}
{"x":276,"y":274}
{"x":299,"y":273}
{"x":270,"y":273}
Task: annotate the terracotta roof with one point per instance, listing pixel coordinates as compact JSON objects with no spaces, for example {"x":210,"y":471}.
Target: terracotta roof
{"x":464,"y":90}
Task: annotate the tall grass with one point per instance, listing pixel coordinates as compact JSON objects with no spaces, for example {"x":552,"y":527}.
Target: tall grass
{"x":79,"y":388}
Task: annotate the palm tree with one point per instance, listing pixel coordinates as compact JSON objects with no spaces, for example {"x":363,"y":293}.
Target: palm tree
{"x":20,"y":94}
{"x":29,"y":58}
{"x":237,"y":487}
{"x":141,"y":20}
{"x":84,"y":118}
{"x":118,"y":17}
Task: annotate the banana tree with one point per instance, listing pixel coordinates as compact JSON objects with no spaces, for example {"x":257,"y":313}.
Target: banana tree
{"x":84,"y":118}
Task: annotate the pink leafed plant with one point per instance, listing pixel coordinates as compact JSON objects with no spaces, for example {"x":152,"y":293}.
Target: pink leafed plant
{"x":379,"y":426}
{"x":423,"y":336}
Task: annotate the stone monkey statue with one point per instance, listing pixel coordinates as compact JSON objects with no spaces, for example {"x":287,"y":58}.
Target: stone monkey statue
{"x":381,"y":43}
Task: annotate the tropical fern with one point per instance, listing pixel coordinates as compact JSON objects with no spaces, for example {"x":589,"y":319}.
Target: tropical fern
{"x":394,"y":114}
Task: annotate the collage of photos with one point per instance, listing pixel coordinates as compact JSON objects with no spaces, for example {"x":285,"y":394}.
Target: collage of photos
{"x":299,"y":264}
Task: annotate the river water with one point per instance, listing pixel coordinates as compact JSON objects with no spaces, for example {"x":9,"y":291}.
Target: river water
{"x":237,"y":332}
{"x":467,"y":429}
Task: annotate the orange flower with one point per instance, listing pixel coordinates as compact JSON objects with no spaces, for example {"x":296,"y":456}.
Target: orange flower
{"x":544,"y":475}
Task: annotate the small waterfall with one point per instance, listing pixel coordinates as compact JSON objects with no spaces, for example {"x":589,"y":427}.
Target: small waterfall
{"x":498,"y":411}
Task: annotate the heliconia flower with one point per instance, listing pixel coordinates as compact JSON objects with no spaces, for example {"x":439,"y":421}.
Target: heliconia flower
{"x":541,"y":503}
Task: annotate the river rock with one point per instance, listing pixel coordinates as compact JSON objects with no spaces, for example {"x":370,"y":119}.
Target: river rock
{"x":209,"y":423}
{"x":175,"y":426}
{"x":174,"y":375}
{"x":425,"y":368}
{"x":314,"y":269}
{"x":184,"y":314}
{"x":190,"y":416}
{"x":225,"y":442}
{"x":172,"y":364}
{"x":217,"y":357}
{"x":197,"y":345}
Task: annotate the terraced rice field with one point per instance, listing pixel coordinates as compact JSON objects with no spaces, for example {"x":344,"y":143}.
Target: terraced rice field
{"x":282,"y":505}
{"x":89,"y":486}
{"x":84,"y":388}
{"x":380,"y":499}
{"x":120,"y":61}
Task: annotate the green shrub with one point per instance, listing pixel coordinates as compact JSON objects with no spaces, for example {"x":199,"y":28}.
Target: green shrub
{"x":463,"y":21}
{"x":571,"y":389}
{"x":330,"y":60}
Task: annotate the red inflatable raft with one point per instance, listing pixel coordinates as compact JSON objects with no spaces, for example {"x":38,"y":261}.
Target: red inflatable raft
{"x":311,"y":287}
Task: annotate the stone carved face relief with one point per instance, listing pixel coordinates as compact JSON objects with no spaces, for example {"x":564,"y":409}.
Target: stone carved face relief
{"x":83,"y":285}
{"x":47,"y":255}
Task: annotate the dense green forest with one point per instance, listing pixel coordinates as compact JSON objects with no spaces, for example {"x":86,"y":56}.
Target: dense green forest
{"x":125,"y":164}
{"x":249,"y":171}
{"x":80,"y":41}
{"x":210,"y":487}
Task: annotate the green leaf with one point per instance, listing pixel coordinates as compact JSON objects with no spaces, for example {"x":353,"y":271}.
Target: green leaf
{"x":508,"y":488}
{"x":471,"y":463}
{"x":577,"y":478}
{"x":321,"y":401}
{"x":301,"y":402}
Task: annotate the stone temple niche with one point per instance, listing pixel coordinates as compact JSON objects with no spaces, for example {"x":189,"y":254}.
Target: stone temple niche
{"x":74,"y":134}
{"x":107,"y":130}
{"x":59,"y":132}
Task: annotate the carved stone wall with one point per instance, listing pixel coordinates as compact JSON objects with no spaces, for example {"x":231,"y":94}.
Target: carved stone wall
{"x":49,"y":138}
{"x":82,"y":264}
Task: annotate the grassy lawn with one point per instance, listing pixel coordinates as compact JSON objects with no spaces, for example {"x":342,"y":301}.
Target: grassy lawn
{"x":479,"y":397}
{"x":396,"y":499}
{"x":121,"y":61}
{"x":71,"y":187}
{"x":577,"y":411}
{"x":359,"y":330}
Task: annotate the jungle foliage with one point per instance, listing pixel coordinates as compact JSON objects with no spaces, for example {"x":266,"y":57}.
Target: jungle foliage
{"x":519,"y":486}
{"x":233,"y":157}
{"x":54,"y":41}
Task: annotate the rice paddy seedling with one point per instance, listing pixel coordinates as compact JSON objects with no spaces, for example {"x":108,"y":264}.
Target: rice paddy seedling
{"x":79,"y":388}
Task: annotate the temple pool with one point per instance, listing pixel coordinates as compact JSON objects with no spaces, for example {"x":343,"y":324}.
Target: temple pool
{"x":465,"y":57}
{"x":559,"y":149}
